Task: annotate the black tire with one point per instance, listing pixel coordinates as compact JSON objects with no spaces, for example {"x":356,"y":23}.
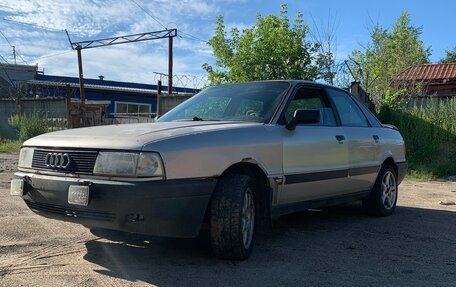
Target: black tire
{"x":226,"y":217}
{"x":378,"y":204}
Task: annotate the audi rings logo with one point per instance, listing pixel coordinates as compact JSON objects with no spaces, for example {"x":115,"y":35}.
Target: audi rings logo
{"x":57,"y":160}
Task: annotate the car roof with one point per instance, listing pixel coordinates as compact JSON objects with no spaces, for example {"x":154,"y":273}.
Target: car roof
{"x":298,"y":82}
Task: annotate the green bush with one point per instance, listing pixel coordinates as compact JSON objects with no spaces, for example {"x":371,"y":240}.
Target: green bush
{"x":28,"y":126}
{"x":429,"y":132}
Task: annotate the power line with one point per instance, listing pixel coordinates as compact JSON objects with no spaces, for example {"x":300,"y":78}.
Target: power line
{"x":189,"y":36}
{"x":22,"y":59}
{"x":52,"y":55}
{"x":9,"y":43}
{"x":6,"y":72}
{"x":4,"y":59}
{"x":148,"y":13}
{"x":14,"y":48}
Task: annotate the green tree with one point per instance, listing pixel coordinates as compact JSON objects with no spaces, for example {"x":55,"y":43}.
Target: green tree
{"x":271,"y":49}
{"x":389,"y":52}
{"x":450,"y":56}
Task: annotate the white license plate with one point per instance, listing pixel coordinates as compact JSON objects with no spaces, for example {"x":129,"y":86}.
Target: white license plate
{"x":17,"y":187}
{"x":78,"y":195}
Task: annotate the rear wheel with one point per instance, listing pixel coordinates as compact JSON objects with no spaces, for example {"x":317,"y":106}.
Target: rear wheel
{"x":232,"y":218}
{"x":383,"y":197}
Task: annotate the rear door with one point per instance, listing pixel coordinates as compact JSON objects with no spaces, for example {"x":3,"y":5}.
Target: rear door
{"x":315,"y":157}
{"x":363,"y":141}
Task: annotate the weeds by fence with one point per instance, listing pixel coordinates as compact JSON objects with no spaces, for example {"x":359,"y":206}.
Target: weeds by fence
{"x":36,"y":123}
{"x":10,"y":145}
{"x":430,"y":134}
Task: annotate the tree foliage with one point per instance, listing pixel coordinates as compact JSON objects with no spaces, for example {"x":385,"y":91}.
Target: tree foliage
{"x":390,"y":51}
{"x":273,"y":48}
{"x":450,"y":56}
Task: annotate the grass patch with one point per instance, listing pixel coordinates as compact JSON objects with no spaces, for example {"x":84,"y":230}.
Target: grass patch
{"x":10,"y":145}
{"x":429,"y":132}
{"x":29,"y":126}
{"x":419,"y":175}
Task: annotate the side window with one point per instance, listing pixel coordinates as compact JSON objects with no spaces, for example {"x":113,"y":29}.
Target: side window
{"x":307,"y":98}
{"x":370,"y":116}
{"x":350,"y":114}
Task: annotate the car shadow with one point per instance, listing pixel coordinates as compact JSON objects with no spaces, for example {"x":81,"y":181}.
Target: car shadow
{"x":316,"y":247}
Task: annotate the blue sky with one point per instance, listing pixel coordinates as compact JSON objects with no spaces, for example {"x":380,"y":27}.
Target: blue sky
{"x":36,"y":27}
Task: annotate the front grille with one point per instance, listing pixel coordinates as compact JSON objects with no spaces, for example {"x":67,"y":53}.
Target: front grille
{"x":81,"y":162}
{"x":72,"y":211}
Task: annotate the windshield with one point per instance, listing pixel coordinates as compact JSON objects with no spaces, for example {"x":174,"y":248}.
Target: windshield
{"x":250,"y":102}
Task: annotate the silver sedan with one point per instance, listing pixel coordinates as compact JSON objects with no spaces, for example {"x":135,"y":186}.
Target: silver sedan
{"x":233,"y":156}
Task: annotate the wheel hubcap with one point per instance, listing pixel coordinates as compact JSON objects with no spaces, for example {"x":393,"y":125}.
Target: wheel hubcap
{"x":248,"y":218}
{"x":389,"y":190}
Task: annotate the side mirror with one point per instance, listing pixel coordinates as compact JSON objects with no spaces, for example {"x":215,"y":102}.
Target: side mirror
{"x":302,"y":116}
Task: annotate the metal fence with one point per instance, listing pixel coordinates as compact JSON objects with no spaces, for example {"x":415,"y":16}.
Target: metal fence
{"x":53,"y":109}
{"x":61,"y":114}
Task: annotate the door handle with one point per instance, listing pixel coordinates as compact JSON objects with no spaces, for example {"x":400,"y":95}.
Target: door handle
{"x":376,"y":138}
{"x":340,"y":138}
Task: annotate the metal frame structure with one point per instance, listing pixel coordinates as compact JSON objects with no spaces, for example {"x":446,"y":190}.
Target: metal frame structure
{"x":155,"y":35}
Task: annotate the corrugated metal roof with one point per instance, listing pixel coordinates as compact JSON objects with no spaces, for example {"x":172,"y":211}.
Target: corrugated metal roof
{"x":99,"y":87}
{"x":428,"y":72}
{"x":117,"y":84}
{"x":89,"y":86}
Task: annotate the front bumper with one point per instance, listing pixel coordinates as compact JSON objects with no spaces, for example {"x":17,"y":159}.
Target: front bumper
{"x":171,"y":208}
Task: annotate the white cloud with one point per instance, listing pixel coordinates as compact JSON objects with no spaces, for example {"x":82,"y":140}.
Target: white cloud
{"x":82,"y":17}
{"x":36,"y":28}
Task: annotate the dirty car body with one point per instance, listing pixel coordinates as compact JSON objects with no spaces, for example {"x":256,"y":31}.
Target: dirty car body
{"x":301,"y":144}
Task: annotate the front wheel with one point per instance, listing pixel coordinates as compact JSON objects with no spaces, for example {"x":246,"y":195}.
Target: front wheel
{"x":232,"y":218}
{"x":383,"y":197}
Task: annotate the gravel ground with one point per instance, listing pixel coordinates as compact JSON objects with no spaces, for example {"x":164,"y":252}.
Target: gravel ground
{"x":335,"y":247}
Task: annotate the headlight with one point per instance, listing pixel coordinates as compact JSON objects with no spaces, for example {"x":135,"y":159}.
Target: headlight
{"x":25,"y":157}
{"x":129,"y":164}
{"x":149,"y":164}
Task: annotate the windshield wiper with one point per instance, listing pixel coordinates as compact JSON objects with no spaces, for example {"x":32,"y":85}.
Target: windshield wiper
{"x":196,"y":119}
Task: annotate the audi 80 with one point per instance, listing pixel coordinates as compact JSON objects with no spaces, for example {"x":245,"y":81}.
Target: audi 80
{"x":232,"y":158}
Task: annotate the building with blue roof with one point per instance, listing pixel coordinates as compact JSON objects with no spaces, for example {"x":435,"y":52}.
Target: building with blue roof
{"x":119,"y":97}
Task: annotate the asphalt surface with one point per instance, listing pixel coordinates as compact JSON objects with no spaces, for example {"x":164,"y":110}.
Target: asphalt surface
{"x":333,"y":247}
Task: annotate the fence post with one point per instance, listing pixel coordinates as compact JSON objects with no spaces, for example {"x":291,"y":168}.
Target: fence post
{"x":68,"y":106}
{"x":159,"y":86}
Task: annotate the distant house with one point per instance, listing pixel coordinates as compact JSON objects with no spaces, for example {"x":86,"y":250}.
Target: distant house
{"x":24,"y":89}
{"x":26,"y":81}
{"x":433,"y":80}
{"x":12,"y":78}
{"x":120,"y":97}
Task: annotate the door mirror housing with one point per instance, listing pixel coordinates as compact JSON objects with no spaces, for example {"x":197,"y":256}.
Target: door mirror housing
{"x":302,"y":116}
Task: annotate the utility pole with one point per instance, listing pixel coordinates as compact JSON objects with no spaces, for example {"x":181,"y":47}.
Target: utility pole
{"x":14,"y":54}
{"x":81,"y":87}
{"x":170,"y":66}
{"x":81,"y":75}
{"x":159,"y":86}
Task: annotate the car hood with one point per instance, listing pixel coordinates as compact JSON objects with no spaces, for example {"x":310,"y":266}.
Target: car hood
{"x":127,"y":136}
